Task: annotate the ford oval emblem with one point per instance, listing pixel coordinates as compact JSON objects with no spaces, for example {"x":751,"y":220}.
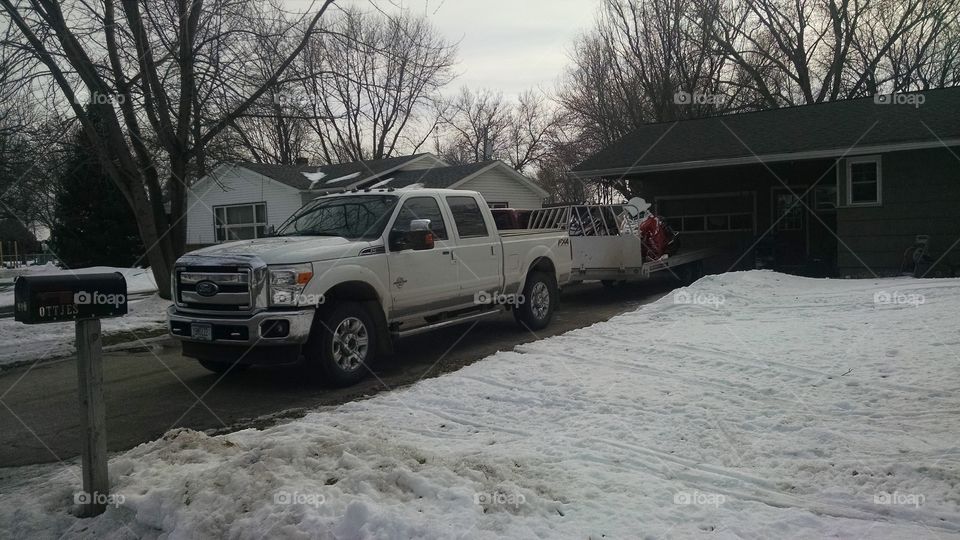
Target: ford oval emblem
{"x":207,"y":288}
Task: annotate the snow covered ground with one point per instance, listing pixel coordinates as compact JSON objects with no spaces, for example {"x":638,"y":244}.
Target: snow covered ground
{"x":21,"y":343}
{"x":749,"y":405}
{"x":139,"y":280}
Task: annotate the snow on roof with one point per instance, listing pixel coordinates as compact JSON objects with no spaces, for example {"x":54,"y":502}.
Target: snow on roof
{"x":382,"y":183}
{"x":314,"y":177}
{"x":350,"y":176}
{"x":411,"y":187}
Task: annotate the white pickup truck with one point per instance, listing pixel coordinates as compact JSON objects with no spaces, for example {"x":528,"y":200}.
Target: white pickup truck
{"x":349,"y":272}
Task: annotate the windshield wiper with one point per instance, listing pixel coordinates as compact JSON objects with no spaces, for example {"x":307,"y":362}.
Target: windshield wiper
{"x":310,"y":233}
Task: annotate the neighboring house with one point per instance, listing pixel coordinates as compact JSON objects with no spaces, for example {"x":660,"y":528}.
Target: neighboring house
{"x":841,"y":188}
{"x":244,"y":200}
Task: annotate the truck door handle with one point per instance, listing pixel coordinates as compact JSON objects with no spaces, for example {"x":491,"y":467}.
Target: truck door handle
{"x":447,"y":252}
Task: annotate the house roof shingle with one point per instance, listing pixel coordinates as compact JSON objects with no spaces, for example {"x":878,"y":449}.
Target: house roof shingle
{"x":347,"y":173}
{"x":838,"y":125}
{"x":439,"y":177}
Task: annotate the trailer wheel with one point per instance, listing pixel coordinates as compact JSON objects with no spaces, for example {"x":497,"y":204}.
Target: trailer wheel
{"x":540,"y":298}
{"x":342,"y":345}
{"x":611,"y":283}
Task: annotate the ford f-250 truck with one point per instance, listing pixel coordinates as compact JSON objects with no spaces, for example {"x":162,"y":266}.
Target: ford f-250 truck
{"x":350,"y":272}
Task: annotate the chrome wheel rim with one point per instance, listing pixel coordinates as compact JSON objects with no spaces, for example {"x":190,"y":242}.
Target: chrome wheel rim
{"x":540,"y":300}
{"x":350,"y":344}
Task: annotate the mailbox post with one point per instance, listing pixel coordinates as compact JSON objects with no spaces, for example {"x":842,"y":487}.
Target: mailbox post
{"x":85,"y":299}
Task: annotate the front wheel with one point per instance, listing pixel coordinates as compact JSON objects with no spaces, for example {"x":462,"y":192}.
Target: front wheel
{"x":343,"y":344}
{"x":540,"y":297}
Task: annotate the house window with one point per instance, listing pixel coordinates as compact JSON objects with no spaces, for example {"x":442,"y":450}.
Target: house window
{"x":498,"y":204}
{"x":864,"y":182}
{"x":240,"y":221}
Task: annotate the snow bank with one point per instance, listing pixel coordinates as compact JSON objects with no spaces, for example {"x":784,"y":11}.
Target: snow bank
{"x":748,"y":405}
{"x":21,"y":343}
{"x":139,"y":280}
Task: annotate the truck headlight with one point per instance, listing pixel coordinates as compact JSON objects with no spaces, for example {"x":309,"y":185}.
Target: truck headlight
{"x":287,"y":283}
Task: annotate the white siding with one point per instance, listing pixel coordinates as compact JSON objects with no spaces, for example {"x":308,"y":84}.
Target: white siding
{"x":498,"y":186}
{"x":235,"y":185}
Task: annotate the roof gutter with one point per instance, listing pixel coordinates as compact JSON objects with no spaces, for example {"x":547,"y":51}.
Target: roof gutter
{"x":767,"y":158}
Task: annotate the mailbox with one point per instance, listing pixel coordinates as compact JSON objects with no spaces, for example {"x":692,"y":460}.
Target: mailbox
{"x":69,"y":297}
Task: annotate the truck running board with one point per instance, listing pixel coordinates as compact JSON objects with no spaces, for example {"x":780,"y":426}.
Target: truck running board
{"x":445,"y":323}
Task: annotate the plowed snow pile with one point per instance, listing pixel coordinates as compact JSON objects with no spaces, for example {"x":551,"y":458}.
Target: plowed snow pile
{"x":752,"y":405}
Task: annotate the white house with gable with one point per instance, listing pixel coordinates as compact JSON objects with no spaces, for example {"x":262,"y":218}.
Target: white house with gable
{"x":245,"y":200}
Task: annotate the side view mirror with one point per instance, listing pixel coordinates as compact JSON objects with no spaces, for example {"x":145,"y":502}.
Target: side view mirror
{"x":419,"y":237}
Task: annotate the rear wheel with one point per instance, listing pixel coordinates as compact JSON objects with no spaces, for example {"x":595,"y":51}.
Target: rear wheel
{"x":343,"y":345}
{"x":540,"y":297}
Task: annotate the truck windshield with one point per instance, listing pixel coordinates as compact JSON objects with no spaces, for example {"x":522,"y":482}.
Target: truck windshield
{"x":351,"y":216}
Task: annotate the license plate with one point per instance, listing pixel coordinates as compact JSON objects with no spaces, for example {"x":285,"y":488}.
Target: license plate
{"x":201,"y":331}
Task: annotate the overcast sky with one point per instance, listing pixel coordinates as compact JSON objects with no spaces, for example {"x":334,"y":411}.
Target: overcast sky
{"x":507,"y":45}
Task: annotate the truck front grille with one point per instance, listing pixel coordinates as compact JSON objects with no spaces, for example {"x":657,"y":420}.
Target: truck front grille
{"x":221,"y":288}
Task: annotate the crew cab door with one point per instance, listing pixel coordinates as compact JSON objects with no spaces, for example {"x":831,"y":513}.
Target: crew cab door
{"x":478,"y":251}
{"x":426,"y":280}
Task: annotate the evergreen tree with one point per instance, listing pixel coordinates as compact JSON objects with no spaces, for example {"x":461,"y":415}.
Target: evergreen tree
{"x":94,"y":225}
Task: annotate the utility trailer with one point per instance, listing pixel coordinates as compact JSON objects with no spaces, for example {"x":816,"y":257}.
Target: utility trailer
{"x":603,"y":251}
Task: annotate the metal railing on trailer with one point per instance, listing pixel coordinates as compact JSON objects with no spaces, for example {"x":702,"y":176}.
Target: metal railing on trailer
{"x":579,"y":220}
{"x":603,"y":250}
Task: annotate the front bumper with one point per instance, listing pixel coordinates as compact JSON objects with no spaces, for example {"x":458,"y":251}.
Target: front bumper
{"x":246,"y":330}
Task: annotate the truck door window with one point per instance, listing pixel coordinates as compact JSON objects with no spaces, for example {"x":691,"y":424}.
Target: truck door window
{"x":421,"y":208}
{"x":467,"y":217}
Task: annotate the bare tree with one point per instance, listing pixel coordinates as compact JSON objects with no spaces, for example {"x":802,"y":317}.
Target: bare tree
{"x":534,"y":122}
{"x":646,"y":61}
{"x":367,"y":87}
{"x":147,"y":61}
{"x":477,"y":126}
{"x":808,"y":51}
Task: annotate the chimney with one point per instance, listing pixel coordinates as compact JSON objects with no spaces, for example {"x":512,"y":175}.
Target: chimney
{"x":302,"y":161}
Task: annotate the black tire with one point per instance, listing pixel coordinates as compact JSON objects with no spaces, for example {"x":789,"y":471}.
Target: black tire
{"x":613,"y":283}
{"x":345,"y":361}
{"x":222,"y":367}
{"x":540,"y":298}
